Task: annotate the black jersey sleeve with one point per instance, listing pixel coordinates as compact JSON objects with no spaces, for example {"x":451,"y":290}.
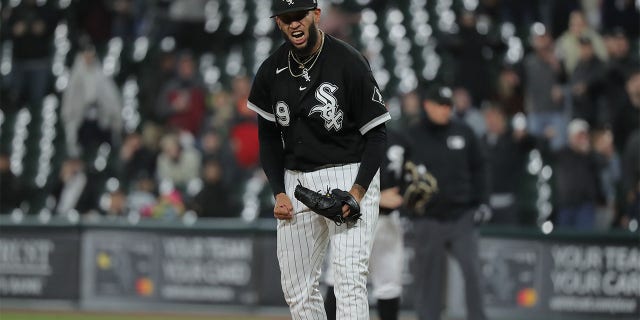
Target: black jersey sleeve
{"x":365,"y":99}
{"x":259,"y":99}
{"x":272,"y":155}
{"x":372,"y":156}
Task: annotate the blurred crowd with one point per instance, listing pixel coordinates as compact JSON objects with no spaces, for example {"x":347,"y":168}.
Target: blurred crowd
{"x":559,"y":122}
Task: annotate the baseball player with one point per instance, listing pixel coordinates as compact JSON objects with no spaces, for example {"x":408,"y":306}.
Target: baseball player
{"x":387,"y":255}
{"x":321,"y":125}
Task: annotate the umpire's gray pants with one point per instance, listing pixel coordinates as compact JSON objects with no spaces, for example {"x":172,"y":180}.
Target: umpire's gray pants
{"x":433,"y":239}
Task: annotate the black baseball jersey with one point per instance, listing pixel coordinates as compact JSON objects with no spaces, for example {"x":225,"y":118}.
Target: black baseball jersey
{"x":323,"y":114}
{"x":398,"y":152}
{"x":393,"y":168}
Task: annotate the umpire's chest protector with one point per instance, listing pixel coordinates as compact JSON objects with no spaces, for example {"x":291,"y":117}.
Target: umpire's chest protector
{"x":323,"y":113}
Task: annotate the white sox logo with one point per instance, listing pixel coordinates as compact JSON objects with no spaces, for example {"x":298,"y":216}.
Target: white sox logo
{"x":289,"y":2}
{"x":395,"y":154}
{"x":328,"y":108}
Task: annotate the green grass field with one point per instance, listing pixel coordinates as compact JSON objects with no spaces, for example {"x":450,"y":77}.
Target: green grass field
{"x":55,"y":315}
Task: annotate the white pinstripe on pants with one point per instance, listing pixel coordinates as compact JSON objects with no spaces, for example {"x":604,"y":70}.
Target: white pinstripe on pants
{"x":302,"y":244}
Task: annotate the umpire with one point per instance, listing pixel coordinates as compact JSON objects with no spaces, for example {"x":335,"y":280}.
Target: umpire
{"x":449,"y":151}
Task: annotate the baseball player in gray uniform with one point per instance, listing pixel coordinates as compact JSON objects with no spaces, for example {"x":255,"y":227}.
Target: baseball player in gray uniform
{"x":322,"y":125}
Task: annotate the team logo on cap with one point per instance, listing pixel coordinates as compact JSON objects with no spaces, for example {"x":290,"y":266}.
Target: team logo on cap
{"x":289,"y":2}
{"x":446,"y":93}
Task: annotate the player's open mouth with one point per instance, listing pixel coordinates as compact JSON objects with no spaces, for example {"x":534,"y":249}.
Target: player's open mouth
{"x":298,"y":37}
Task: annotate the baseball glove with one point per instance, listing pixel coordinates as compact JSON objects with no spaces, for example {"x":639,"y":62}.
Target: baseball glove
{"x":330,"y":204}
{"x":421,"y":188}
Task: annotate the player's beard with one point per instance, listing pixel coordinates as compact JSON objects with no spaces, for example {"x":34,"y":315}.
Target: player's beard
{"x":311,"y":42}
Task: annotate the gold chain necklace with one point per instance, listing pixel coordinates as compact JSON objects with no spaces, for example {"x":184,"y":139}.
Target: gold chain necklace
{"x":301,"y":65}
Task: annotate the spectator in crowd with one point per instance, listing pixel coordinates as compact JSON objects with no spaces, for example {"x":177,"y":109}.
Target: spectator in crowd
{"x":609,"y":162}
{"x":182,"y":100}
{"x":245,"y":146}
{"x":214,"y":199}
{"x":621,"y":62}
{"x":243,"y":133}
{"x":172,"y":94}
{"x":568,"y":45}
{"x":114,"y":204}
{"x":156,"y":73}
{"x":187,"y":19}
{"x":586,"y":83}
{"x":91,"y":105}
{"x":464,"y":111}
{"x":222,"y":111}
{"x":240,"y":89}
{"x":472,"y":67}
{"x":135,"y":160}
{"x":95,"y":18}
{"x":127,"y":18}
{"x":623,"y":14}
{"x":142,"y":196}
{"x":591,"y":11}
{"x":169,"y":206}
{"x":30,"y":27}
{"x":177,"y":163}
{"x":519,"y":13}
{"x":555,"y":14}
{"x":627,"y":118}
{"x":631,"y":180}
{"x":12,"y":193}
{"x":543,"y":91}
{"x":508,"y":91}
{"x":410,"y":105}
{"x":339,"y":23}
{"x":507,"y":148}
{"x":75,"y":189}
{"x":578,"y":182}
{"x":213,"y":145}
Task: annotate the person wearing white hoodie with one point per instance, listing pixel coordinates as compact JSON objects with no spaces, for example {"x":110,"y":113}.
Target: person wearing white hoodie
{"x":91,"y":104}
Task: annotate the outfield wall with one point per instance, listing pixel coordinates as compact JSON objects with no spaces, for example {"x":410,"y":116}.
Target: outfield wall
{"x":113,"y":264}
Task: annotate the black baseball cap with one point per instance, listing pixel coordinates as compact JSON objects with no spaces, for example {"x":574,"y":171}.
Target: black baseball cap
{"x":440,"y":95}
{"x":285,"y":6}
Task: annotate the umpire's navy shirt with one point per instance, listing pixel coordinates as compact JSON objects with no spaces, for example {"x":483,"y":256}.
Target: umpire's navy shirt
{"x":322,"y":121}
{"x":453,"y":155}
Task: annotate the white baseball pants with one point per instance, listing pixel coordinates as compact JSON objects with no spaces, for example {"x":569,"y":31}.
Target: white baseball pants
{"x":302,"y":244}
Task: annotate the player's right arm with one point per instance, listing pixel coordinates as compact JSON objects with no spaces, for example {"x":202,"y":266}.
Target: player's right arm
{"x":272,"y":158}
{"x":271,"y":147}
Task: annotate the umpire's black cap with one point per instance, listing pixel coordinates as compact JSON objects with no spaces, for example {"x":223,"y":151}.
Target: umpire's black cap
{"x":286,"y":6}
{"x":440,"y":95}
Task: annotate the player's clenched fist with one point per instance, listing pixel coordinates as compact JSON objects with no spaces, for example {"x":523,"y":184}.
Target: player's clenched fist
{"x":283,"y":208}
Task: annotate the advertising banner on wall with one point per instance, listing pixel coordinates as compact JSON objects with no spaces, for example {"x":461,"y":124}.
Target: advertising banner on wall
{"x":136,"y":266}
{"x":542,"y":276}
{"x":599,"y":280}
{"x":38,"y":263}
